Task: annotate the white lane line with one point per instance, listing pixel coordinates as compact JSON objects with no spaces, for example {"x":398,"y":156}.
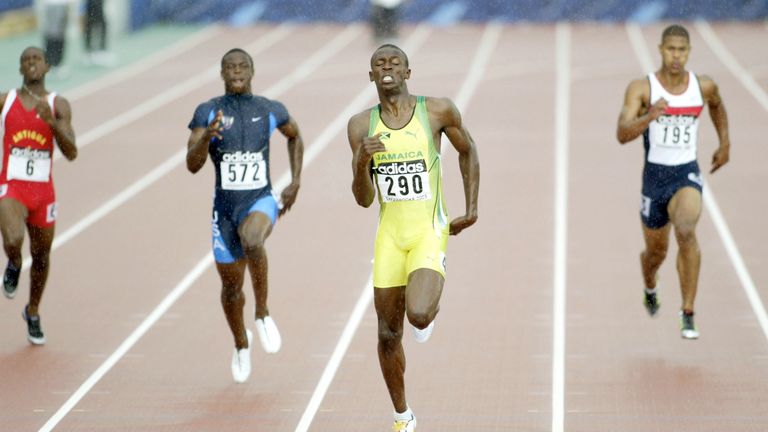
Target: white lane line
{"x":761,"y":96}
{"x":562,"y":129}
{"x":116,"y":201}
{"x":169,"y":95}
{"x":129,"y":342}
{"x":729,"y":61}
{"x":637,"y":41}
{"x":144,"y":64}
{"x":475,"y":74}
{"x":317,"y":59}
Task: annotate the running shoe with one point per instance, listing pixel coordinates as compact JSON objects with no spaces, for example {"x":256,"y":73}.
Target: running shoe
{"x":10,"y":280}
{"x":269,"y":335}
{"x":35,"y":334}
{"x":405,"y":425}
{"x":688,"y":329}
{"x":423,"y":335}
{"x":651,"y":302}
{"x":241,"y":361}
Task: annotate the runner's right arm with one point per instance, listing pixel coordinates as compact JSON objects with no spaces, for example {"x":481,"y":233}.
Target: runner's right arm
{"x":632,"y":122}
{"x":363,"y":148}
{"x":197,"y":145}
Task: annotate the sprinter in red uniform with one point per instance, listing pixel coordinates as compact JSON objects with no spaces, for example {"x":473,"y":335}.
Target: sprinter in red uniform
{"x":33,"y":120}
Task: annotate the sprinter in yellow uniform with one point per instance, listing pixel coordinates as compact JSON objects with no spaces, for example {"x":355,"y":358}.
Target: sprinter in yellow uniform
{"x":396,"y":150}
{"x":413,"y":224}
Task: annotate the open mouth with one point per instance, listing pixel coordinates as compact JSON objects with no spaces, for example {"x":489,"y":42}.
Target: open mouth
{"x":386,"y":79}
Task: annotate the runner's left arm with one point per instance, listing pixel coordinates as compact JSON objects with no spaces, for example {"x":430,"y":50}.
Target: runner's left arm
{"x":469,"y":163}
{"x":61,"y":125}
{"x":296,"y":155}
{"x":719,"y":119}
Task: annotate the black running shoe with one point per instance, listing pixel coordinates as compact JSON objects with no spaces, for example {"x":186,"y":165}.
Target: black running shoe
{"x":688,"y":329}
{"x":651,"y":303}
{"x":35,"y":334}
{"x":10,"y":280}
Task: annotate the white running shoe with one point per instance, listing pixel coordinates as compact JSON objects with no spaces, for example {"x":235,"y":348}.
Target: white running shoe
{"x":405,"y":425}
{"x":241,"y":361}
{"x":269,"y":335}
{"x":424,"y":334}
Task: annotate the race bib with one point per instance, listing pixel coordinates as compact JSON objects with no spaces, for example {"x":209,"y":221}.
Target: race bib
{"x":243,"y":171}
{"x":403,"y":181}
{"x":29,"y":165}
{"x":674,"y":131}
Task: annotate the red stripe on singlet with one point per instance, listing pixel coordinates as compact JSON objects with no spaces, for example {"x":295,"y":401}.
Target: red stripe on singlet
{"x":691,"y":111}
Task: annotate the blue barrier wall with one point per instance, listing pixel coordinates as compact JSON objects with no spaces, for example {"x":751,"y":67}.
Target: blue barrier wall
{"x":243,"y":12}
{"x":7,"y":5}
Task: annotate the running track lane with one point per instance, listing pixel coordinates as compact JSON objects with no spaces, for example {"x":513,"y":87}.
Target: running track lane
{"x":626,"y":371}
{"x":158,"y":387}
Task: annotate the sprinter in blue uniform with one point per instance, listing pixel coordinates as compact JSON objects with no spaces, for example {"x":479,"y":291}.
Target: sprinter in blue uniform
{"x":234,"y":130}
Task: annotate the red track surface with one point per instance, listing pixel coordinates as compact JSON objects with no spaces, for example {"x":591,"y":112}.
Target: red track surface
{"x":489,"y":365}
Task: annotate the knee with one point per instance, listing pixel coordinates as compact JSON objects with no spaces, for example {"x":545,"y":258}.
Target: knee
{"x":231,"y":295}
{"x":12,"y":241}
{"x":41,"y":259}
{"x":685,"y":233}
{"x":388,"y":336}
{"x":253,"y":246}
{"x":420,"y":318}
{"x":656,"y":254}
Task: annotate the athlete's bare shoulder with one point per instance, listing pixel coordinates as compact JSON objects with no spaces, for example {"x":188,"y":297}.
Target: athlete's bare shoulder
{"x":444,"y":110}
{"x":361,"y":118}
{"x":639,"y":87}
{"x":63,"y":109}
{"x":708,"y":87}
{"x":358,"y":124}
{"x":3,"y":97}
{"x":439,"y":104}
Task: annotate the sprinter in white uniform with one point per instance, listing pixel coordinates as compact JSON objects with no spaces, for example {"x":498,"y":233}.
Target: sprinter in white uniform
{"x":665,"y":108}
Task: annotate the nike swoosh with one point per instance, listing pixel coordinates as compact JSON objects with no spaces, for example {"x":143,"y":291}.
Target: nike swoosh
{"x":255,"y":119}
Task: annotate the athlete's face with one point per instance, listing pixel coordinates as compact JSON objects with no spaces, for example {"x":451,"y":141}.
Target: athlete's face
{"x":389,"y":68}
{"x":237,"y":72}
{"x":674,"y":53}
{"x":33,"y":65}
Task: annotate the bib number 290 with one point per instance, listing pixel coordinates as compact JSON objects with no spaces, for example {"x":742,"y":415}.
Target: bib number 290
{"x":404,"y":187}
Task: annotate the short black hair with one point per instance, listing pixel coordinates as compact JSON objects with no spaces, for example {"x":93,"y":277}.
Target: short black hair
{"x":393,"y":46}
{"x":675,"y":30}
{"x":237,"y":50}
{"x":36,"y":48}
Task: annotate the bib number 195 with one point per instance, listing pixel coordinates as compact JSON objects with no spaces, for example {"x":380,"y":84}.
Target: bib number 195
{"x":676,"y":135}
